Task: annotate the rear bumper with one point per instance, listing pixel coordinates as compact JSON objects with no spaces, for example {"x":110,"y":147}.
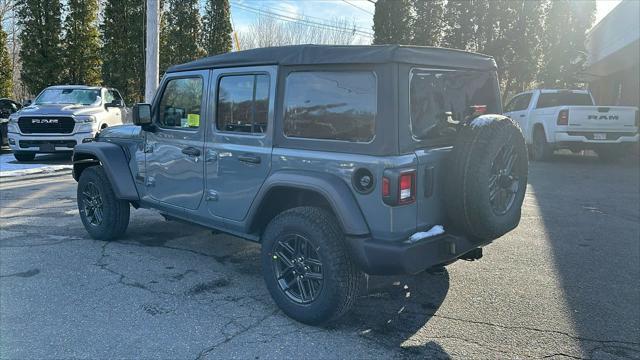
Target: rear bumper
{"x":587,"y":137}
{"x":377,"y":257}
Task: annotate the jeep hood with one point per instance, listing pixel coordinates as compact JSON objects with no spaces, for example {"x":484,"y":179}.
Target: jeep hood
{"x":60,"y":110}
{"x":127,"y":131}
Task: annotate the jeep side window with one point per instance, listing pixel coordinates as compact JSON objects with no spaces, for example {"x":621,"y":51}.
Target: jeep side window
{"x":181,"y":103}
{"x":331,"y":105}
{"x":243,"y":103}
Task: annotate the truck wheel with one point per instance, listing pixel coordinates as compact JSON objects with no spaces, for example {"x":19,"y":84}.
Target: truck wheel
{"x":306,"y":266}
{"x":104,"y":216}
{"x":540,"y":149}
{"x":24,"y":155}
{"x":487,"y":179}
{"x":612,"y":153}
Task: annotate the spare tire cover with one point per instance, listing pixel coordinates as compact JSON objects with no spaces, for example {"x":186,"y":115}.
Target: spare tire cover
{"x":486,"y":177}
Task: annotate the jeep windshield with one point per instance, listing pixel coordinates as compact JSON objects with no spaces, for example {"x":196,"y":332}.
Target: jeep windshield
{"x":68,"y":96}
{"x":434,"y":94}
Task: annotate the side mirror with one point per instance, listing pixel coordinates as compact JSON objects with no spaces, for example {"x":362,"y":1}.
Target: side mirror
{"x":119,"y":103}
{"x":27,"y":102}
{"x":141,"y":114}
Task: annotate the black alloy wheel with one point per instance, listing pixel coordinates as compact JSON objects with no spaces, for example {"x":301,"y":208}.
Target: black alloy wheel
{"x":93,"y":206}
{"x":504,"y":182}
{"x":298,"y":268}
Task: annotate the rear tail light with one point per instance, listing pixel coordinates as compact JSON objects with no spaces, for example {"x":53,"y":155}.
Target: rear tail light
{"x":399,"y":187}
{"x":563,"y":117}
{"x":406,"y":190}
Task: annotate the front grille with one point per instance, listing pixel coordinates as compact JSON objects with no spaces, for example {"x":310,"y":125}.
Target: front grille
{"x":46,"y":124}
{"x":610,"y":135}
{"x":56,"y":143}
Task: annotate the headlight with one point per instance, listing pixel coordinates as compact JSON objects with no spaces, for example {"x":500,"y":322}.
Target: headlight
{"x":13,"y":119}
{"x":86,"y":119}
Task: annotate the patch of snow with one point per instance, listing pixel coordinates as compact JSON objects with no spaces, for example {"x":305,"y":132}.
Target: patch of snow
{"x":9,"y":167}
{"x":434,"y":231}
{"x":484,"y":120}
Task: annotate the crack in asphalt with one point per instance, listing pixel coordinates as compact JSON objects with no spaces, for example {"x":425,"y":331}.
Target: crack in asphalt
{"x":574,"y":337}
{"x":122,"y":277}
{"x":228,"y":338}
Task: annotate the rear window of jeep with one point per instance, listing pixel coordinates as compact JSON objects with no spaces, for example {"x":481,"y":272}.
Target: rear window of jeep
{"x":331,"y":105}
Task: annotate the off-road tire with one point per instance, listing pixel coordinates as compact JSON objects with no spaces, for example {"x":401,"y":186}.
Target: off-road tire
{"x":613,"y":154}
{"x":541,"y":150}
{"x":341,"y":278}
{"x":470,"y":210}
{"x":115,"y":212}
{"x":24,"y":155}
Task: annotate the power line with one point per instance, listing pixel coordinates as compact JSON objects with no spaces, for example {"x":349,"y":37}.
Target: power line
{"x":358,"y":7}
{"x":295,"y":16}
{"x":298,"y":20}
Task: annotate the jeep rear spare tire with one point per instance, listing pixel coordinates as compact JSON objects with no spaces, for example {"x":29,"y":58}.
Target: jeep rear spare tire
{"x":306,"y":267}
{"x":487,"y":177}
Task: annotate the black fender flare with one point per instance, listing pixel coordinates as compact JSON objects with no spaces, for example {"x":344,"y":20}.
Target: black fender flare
{"x":115,"y":163}
{"x":329,"y":186}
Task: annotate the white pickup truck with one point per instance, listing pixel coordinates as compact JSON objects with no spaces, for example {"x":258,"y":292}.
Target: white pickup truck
{"x":568,"y":119}
{"x":62,"y":117}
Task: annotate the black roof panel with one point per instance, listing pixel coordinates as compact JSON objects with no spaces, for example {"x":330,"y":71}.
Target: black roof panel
{"x":344,"y":54}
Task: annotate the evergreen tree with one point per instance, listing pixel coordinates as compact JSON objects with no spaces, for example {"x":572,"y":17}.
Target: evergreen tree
{"x":81,"y":43}
{"x":458,"y":29}
{"x":216,"y":27}
{"x":428,"y":21}
{"x":123,"y":50}
{"x":392,"y":22}
{"x":565,"y":27}
{"x":6,"y":75}
{"x":181,"y":34}
{"x":40,"y":52}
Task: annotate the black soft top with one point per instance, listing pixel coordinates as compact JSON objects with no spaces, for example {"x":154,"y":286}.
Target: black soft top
{"x":344,"y":54}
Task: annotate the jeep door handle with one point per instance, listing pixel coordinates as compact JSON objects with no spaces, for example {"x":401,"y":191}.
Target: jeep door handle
{"x":249,"y":158}
{"x":191,"y":151}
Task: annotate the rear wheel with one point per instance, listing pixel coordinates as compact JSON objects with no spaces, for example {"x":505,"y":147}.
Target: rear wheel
{"x":540,"y":149}
{"x":24,"y":155}
{"x":306,"y":266}
{"x":104,"y":216}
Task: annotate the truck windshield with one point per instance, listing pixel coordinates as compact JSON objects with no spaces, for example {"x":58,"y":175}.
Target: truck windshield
{"x":68,"y":96}
{"x":563,"y":99}
{"x":435,"y":93}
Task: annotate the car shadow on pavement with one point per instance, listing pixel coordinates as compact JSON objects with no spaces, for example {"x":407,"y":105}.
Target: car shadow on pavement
{"x":392,"y":309}
{"x":590,"y":215}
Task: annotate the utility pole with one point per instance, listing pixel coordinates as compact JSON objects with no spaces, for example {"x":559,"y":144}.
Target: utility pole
{"x":152,"y":55}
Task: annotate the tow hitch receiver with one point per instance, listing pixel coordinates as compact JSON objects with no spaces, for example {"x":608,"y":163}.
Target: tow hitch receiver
{"x":475,"y":254}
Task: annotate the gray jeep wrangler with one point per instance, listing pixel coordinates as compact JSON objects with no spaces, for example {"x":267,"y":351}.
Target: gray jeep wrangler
{"x":338,"y":160}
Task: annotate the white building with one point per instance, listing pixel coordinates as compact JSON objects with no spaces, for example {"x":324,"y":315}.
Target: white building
{"x":613,"y":60}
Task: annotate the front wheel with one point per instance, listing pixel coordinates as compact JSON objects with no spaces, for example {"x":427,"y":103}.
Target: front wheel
{"x":306,"y":267}
{"x":104,"y":216}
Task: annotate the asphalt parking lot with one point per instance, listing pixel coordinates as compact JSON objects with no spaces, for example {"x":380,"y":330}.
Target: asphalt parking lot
{"x":565,"y":284}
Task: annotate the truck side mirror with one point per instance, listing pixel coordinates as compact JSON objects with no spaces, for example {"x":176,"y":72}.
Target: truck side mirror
{"x":27,"y":102}
{"x":141,"y":114}
{"x":118,"y":103}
